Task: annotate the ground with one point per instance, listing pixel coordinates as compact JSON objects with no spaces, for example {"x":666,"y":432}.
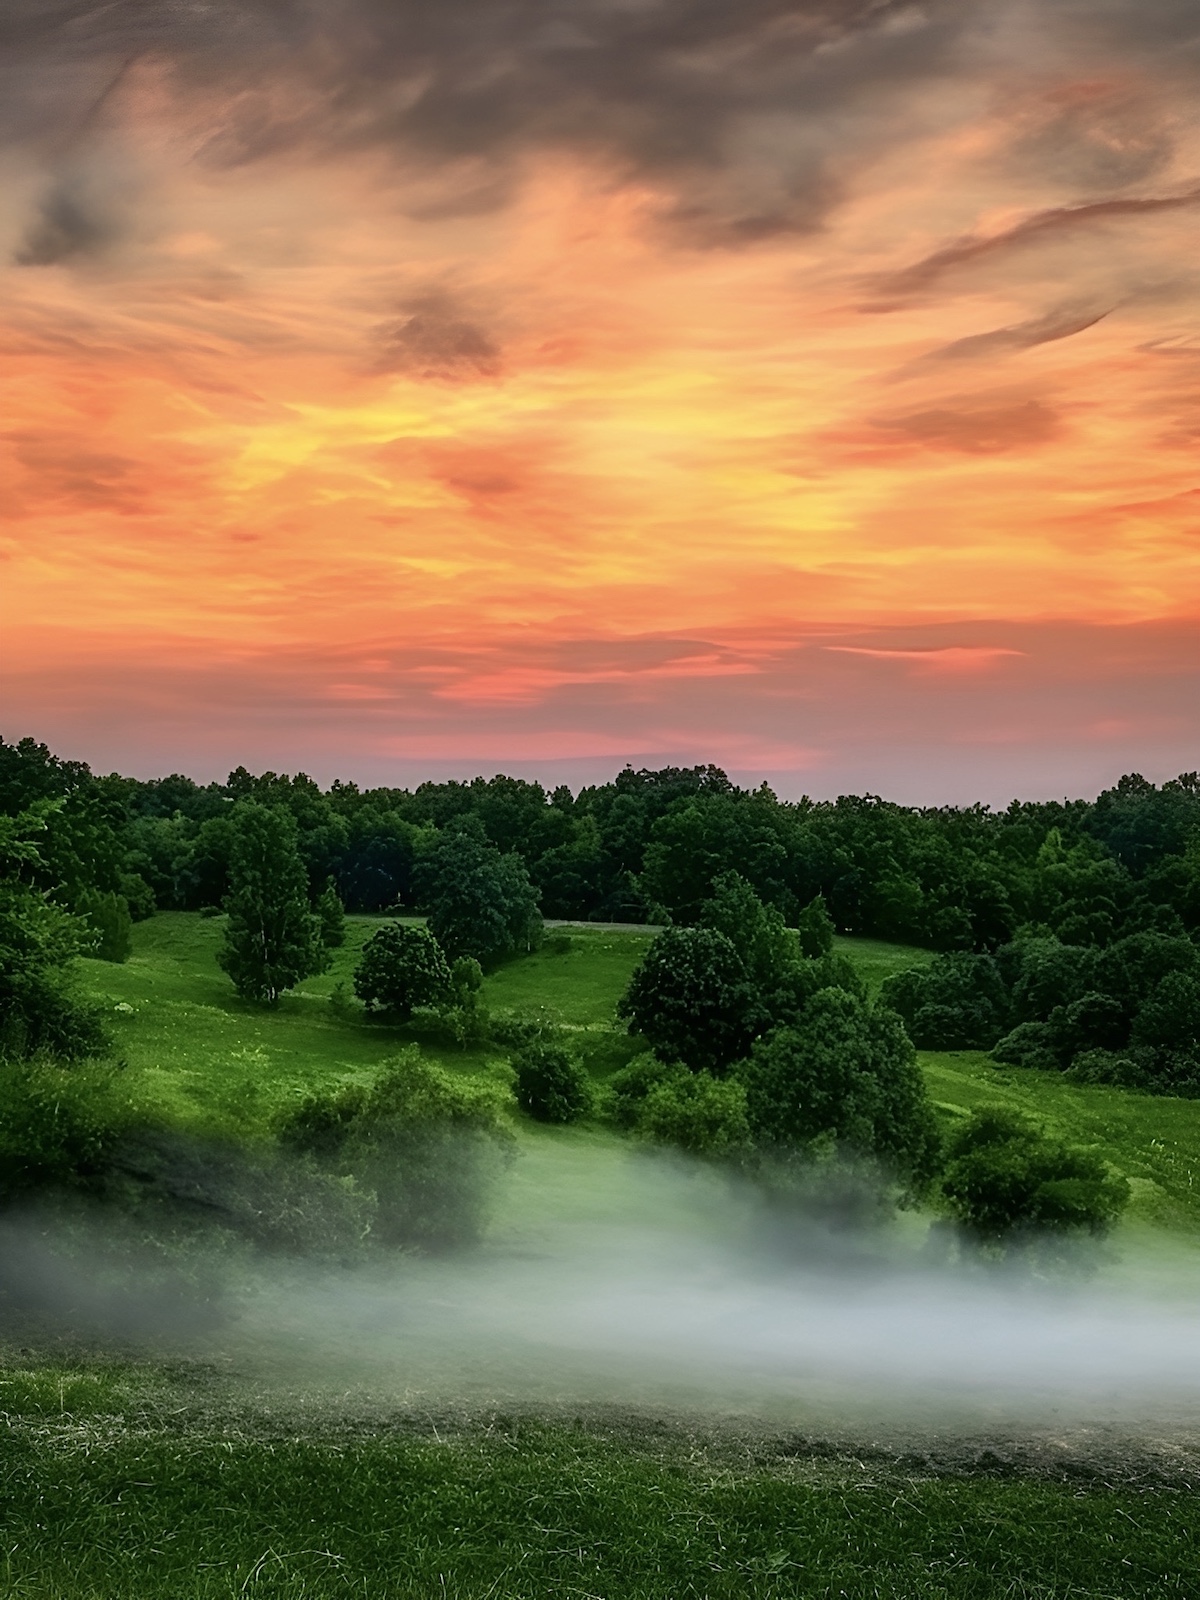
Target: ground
{"x":167,"y":1476}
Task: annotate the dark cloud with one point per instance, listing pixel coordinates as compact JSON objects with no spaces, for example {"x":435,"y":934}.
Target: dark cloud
{"x":68,"y":224}
{"x":977,"y":429}
{"x":435,"y":341}
{"x":1058,"y":324}
{"x":925,"y":273}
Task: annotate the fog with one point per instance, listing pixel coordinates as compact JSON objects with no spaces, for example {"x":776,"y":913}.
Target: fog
{"x":612,"y":1277}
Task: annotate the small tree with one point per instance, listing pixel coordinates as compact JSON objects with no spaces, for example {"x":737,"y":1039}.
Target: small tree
{"x":696,"y":1112}
{"x":402,"y":967}
{"x":815,"y":928}
{"x":272,"y":940}
{"x":108,"y":916}
{"x":480,"y":903}
{"x":769,"y":950}
{"x":845,"y":1073}
{"x":332,"y":916}
{"x":1005,"y":1178}
{"x":552,"y":1085}
{"x":691,"y":1000}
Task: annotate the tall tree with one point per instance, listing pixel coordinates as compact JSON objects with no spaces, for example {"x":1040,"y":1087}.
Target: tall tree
{"x":273,"y":940}
{"x":481,"y":903}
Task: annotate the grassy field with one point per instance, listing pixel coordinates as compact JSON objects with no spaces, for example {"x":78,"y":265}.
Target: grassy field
{"x":142,"y":1478}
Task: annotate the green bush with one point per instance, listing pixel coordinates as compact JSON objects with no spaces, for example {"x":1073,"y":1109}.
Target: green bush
{"x":402,"y":967}
{"x":331,"y":914}
{"x":59,"y":1127}
{"x":551,"y":1083}
{"x":1006,"y":1179}
{"x":626,"y":1091}
{"x":428,"y":1145}
{"x":696,"y":1112}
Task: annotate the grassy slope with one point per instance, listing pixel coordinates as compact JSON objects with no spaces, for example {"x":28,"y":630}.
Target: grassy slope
{"x":128,"y":1483}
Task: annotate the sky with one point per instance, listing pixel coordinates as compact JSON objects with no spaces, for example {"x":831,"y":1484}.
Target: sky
{"x":394,"y":390}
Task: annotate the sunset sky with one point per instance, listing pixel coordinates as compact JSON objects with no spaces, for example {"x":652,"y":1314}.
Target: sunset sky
{"x":395,"y":389}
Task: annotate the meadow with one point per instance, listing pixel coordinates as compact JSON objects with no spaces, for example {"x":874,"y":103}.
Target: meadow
{"x":168,"y":1475}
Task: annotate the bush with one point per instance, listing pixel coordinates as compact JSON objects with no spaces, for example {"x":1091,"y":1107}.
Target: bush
{"x":957,"y":1002}
{"x":1029,"y":1044}
{"x":815,"y":929}
{"x":1005,"y":1178}
{"x":696,"y":1112}
{"x":691,"y":1000}
{"x":427,"y":1144}
{"x":626,"y":1090}
{"x":59,"y":1127}
{"x":402,"y":967}
{"x":552,"y":1085}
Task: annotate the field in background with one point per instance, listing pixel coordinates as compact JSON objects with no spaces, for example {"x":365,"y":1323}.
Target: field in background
{"x":211,"y":1060}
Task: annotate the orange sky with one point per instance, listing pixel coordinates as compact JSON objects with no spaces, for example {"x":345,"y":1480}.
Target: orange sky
{"x":817,"y":393}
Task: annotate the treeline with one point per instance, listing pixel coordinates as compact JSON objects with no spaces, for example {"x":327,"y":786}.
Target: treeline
{"x":647,"y":847}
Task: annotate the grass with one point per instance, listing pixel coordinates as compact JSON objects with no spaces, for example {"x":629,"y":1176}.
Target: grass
{"x":131,"y":1480}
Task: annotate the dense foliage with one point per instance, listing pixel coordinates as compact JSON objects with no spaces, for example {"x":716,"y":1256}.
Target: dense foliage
{"x":1127,"y":1013}
{"x":1005,"y":1178}
{"x":402,"y":967}
{"x":551,"y":1083}
{"x":646,"y":845}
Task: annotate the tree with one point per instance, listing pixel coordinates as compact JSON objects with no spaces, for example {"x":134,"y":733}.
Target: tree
{"x":691,"y":1000}
{"x":815,"y":929}
{"x":272,"y":940}
{"x":552,"y":1085}
{"x":768,"y":949}
{"x":1005,"y":1177}
{"x":39,"y":1008}
{"x":108,"y":916}
{"x":402,"y":967}
{"x":957,"y":1002}
{"x":480,"y":903}
{"x":332,"y":916}
{"x":696,"y":1112}
{"x":844,"y":1072}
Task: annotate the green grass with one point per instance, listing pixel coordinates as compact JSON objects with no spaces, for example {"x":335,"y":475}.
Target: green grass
{"x":108,"y":1497}
{"x":137,"y":1481}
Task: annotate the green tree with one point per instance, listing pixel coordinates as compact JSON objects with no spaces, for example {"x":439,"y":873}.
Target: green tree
{"x":552,"y":1085}
{"x":480,"y":903}
{"x":768,"y":949}
{"x":272,"y":939}
{"x":332,"y":916}
{"x":402,"y":967}
{"x":691,"y":1000}
{"x":696,"y":1112}
{"x":845,"y":1072}
{"x":1005,"y":1178}
{"x":107,"y":914}
{"x":39,"y":1007}
{"x":815,"y":929}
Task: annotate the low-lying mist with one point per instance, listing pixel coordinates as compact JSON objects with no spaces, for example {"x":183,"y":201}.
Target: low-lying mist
{"x":612,"y":1276}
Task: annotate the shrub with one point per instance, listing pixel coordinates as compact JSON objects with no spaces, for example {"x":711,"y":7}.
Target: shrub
{"x":1006,"y":1178}
{"x":957,"y":1002}
{"x":627,"y":1089}
{"x":427,"y":1144}
{"x":815,"y":929}
{"x":696,"y":1112}
{"x":691,"y":1000}
{"x":552,"y":1085}
{"x":1029,"y":1044}
{"x":402,"y":967}
{"x":59,"y":1127}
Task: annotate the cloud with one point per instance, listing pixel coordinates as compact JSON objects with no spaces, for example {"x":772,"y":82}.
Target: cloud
{"x":1047,"y":329}
{"x":977,"y":429}
{"x":923,"y":274}
{"x":434,"y":341}
{"x":68,"y":224}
